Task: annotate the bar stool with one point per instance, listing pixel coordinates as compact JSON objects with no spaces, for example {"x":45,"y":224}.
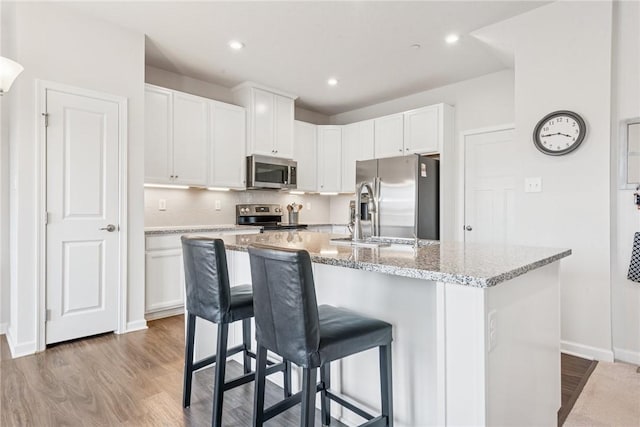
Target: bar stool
{"x":291,"y":324}
{"x":210,"y":297}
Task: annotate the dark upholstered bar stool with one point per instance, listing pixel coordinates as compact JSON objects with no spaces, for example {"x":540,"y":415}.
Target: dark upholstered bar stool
{"x":210,"y":297}
{"x":290,"y":324}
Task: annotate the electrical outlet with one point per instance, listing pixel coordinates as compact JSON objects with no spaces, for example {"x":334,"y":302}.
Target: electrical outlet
{"x":162,"y":205}
{"x":533,"y":185}
{"x":218,"y":205}
{"x":493,"y":330}
{"x":308,"y":206}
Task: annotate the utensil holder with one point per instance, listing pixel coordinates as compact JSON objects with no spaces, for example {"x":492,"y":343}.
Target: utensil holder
{"x":293,"y":217}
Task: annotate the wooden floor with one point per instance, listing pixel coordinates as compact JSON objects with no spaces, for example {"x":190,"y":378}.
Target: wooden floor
{"x":136,"y":380}
{"x":133,"y":379}
{"x":575,"y":373}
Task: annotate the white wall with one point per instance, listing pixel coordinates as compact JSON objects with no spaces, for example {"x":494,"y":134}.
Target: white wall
{"x":625,"y":216}
{"x":58,"y":44}
{"x":563,"y":61}
{"x":480,"y":102}
{"x":175,"y":81}
{"x":197,"y":207}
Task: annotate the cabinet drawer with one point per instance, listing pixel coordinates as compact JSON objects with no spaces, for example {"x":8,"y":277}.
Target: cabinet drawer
{"x":163,"y":241}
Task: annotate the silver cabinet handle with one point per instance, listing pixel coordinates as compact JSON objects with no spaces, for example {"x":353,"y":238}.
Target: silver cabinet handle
{"x":468,"y":228}
{"x":110,"y":228}
{"x":400,"y":150}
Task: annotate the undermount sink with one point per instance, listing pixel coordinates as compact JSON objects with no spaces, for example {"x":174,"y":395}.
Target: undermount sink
{"x":366,"y":243}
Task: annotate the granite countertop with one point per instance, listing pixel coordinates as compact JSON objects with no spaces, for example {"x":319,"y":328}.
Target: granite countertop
{"x":182,"y":229}
{"x":475,"y":265}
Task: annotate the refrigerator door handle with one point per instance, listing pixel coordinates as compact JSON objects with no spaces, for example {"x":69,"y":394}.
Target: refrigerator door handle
{"x":375,"y":218}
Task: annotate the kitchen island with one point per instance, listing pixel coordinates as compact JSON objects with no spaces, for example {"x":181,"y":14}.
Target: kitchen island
{"x":476,"y":327}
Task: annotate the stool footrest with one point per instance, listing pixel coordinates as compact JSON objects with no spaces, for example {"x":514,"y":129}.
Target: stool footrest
{"x":380,"y":421}
{"x":285,"y":404}
{"x":350,"y":405}
{"x":211,"y":359}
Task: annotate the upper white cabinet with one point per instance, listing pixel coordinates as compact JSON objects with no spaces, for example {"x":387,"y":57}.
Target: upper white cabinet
{"x":305,"y":153}
{"x":357,"y":144}
{"x":195,"y":141}
{"x":389,"y":136}
{"x":228,"y":140}
{"x":270,"y":117}
{"x":329,"y":155}
{"x":419,"y":131}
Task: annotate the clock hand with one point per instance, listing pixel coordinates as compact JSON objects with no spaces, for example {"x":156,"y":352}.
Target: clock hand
{"x":554,"y":134}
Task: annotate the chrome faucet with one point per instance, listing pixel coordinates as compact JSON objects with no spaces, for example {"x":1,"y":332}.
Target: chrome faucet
{"x":357,"y":231}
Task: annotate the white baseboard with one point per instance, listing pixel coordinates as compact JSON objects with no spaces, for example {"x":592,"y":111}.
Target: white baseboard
{"x":3,"y":328}
{"x":586,"y":352}
{"x":627,"y":356}
{"x":159,"y":314}
{"x":137,"y":325}
{"x":20,"y":349}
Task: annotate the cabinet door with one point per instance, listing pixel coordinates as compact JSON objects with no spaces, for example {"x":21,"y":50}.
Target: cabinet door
{"x":164,"y":280}
{"x":305,"y":153}
{"x":262,"y":130}
{"x":190,"y":149}
{"x":329,"y":154}
{"x":158,"y":166}
{"x":228,"y":142}
{"x":284,"y":109}
{"x":357,"y":144}
{"x":421,"y":130}
{"x":389,"y":136}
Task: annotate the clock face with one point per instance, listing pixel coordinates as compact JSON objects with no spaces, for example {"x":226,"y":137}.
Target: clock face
{"x":559,"y":133}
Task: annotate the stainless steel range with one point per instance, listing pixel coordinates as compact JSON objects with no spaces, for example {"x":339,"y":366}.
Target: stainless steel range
{"x":264,"y":215}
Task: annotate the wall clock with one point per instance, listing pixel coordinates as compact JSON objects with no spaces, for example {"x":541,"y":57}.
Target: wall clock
{"x":559,"y":133}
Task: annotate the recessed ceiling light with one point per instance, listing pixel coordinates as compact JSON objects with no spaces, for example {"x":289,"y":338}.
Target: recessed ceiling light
{"x":415,"y":46}
{"x":332,"y":81}
{"x":236,"y":45}
{"x":452,"y":38}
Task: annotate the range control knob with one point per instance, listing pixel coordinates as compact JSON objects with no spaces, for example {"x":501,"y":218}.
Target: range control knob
{"x":278,"y":210}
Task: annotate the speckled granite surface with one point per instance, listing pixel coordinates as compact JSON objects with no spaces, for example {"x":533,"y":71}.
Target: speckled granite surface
{"x":453,"y":262}
{"x":184,"y":229}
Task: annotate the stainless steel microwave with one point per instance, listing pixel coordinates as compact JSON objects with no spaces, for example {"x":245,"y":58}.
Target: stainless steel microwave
{"x":271,"y":172}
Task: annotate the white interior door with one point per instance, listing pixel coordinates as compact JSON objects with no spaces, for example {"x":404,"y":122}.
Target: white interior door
{"x":490,"y":182}
{"x":83,"y":270}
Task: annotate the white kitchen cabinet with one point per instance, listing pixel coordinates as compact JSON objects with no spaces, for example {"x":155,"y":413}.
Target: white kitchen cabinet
{"x":176,"y":126}
{"x":164,"y":280}
{"x":389,"y":136}
{"x":357,"y":144}
{"x":305,"y":154}
{"x":422,"y":130}
{"x":270,"y":116}
{"x":329,"y":154}
{"x":190,"y":145}
{"x":227,"y":146}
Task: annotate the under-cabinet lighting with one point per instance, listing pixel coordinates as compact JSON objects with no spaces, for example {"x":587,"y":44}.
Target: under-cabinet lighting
{"x":175,"y":187}
{"x":299,"y":193}
{"x":329,"y":194}
{"x":217,"y":189}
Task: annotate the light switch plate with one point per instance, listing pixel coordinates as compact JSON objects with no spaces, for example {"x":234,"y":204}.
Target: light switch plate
{"x":218,"y":205}
{"x":533,"y":185}
{"x":162,"y":205}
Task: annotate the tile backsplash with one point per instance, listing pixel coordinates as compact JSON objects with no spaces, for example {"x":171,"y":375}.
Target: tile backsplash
{"x":197,"y":207}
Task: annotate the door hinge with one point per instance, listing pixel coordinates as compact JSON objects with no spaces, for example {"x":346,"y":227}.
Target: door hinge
{"x":46,"y":119}
{"x":46,"y":218}
{"x":48,"y":315}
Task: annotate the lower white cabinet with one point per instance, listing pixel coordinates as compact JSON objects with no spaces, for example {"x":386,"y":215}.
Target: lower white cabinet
{"x":164,"y":273}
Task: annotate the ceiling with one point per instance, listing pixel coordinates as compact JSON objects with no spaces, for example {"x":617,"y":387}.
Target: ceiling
{"x":297,"y":46}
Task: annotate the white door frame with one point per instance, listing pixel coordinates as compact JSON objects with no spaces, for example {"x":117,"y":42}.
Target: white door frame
{"x":462,"y":171}
{"x":41,"y":202}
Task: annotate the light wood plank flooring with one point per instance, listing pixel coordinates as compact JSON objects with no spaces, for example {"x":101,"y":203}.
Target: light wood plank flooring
{"x":121,"y":380}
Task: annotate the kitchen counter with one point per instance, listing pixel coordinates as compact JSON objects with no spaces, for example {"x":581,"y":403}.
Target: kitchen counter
{"x":184,"y":229}
{"x":451,"y":262}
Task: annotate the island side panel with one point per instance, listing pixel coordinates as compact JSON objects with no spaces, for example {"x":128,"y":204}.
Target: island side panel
{"x":410,"y":305}
{"x":523,"y":369}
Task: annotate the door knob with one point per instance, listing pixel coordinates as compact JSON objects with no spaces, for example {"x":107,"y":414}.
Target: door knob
{"x":468,"y":228}
{"x":110,"y":228}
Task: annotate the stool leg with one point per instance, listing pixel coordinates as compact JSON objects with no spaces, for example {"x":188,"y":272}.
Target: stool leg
{"x":218,"y":385}
{"x":287,"y":379}
{"x":258,"y":393}
{"x":325,"y":402}
{"x":188,"y":360}
{"x":246,"y":342}
{"x":386,"y":383}
{"x":308,"y":417}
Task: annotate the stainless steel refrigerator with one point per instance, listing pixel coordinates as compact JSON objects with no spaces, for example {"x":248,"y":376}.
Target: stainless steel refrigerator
{"x":407,"y":196}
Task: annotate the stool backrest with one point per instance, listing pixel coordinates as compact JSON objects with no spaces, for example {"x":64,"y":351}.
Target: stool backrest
{"x":284,"y":303}
{"x":206,"y":278}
